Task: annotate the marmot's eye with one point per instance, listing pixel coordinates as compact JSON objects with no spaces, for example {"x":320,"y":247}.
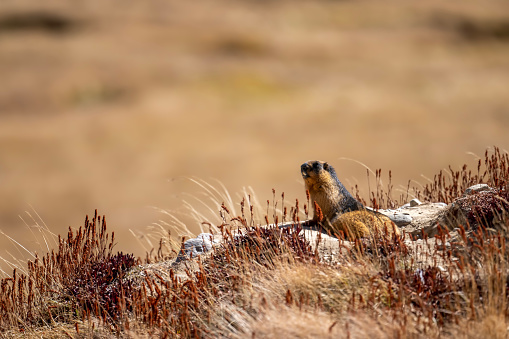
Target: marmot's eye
{"x":325,"y":166}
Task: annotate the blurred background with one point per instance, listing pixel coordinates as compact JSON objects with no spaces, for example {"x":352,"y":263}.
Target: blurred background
{"x":114,"y":105}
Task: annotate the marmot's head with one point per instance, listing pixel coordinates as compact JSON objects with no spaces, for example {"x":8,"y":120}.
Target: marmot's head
{"x":317,"y":174}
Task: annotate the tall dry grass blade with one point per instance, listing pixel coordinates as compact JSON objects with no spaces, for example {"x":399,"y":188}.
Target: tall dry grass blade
{"x":180,"y":225}
{"x":42,"y":230}
{"x":46,"y":228}
{"x":360,"y":163}
{"x":215,"y":194}
{"x":10,"y":264}
{"x":18,"y":245}
{"x":228,"y":199}
{"x":199,"y":216}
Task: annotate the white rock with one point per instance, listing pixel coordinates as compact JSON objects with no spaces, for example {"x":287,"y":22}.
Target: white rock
{"x":415,"y":202}
{"x":477,"y":188}
{"x":193,"y":248}
{"x":400,"y":219}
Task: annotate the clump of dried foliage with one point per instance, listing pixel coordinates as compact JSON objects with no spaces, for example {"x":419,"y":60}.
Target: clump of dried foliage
{"x":267,"y":281}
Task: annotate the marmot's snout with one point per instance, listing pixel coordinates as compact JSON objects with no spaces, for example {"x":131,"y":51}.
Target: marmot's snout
{"x":304,"y":169}
{"x":312,"y":168}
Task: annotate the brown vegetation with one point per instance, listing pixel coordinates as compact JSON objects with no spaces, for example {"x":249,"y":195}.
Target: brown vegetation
{"x":268,"y":282}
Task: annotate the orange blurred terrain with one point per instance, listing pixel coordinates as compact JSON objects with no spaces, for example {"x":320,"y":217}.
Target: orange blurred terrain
{"x":115,"y":105}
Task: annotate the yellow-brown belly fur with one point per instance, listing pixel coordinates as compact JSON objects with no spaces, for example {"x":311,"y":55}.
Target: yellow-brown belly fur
{"x":362,"y":223}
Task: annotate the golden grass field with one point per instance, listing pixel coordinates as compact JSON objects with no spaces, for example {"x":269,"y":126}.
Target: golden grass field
{"x":118,"y":104}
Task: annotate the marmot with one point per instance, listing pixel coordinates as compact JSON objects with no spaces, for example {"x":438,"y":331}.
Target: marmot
{"x":341,"y":211}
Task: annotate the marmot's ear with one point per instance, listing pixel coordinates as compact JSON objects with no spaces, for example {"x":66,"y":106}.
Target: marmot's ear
{"x":325,"y":166}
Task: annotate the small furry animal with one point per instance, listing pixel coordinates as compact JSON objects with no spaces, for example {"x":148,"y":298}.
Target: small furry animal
{"x":340,"y":211}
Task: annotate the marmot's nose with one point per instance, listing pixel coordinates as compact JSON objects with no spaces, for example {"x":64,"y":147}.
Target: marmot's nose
{"x":304,"y":169}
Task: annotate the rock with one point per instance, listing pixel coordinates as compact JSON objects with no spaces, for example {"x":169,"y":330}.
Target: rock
{"x":477,"y":188}
{"x":400,"y":219}
{"x":424,"y":218}
{"x":193,"y":248}
{"x":415,"y":202}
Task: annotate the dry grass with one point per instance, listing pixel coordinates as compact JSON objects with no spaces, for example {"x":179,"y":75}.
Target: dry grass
{"x":269,"y":283}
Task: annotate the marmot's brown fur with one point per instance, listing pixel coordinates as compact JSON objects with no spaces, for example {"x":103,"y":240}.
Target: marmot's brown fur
{"x":340,"y":210}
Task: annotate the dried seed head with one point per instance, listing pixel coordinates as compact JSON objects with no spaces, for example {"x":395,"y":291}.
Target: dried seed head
{"x":318,"y":212}
{"x":225,"y":208}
